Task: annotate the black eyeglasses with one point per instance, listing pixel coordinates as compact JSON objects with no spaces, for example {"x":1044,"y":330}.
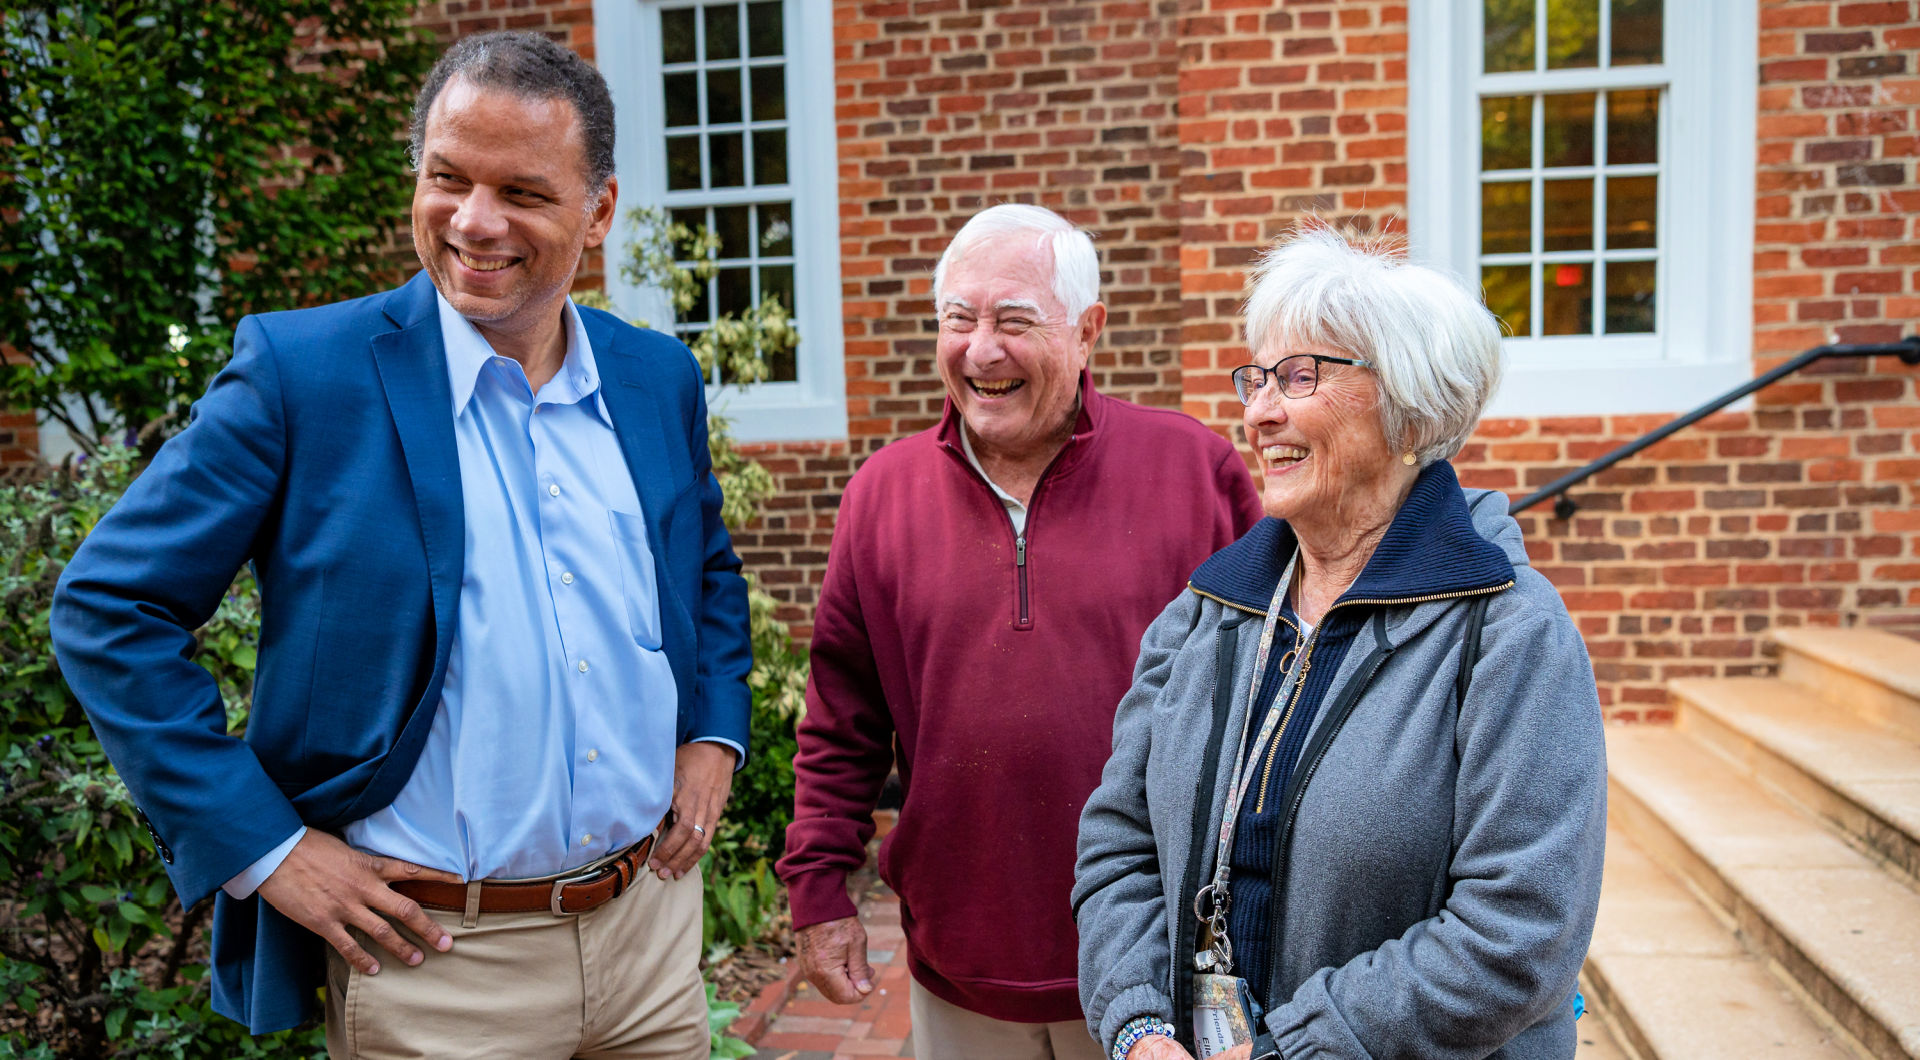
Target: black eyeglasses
{"x":1299,"y":375}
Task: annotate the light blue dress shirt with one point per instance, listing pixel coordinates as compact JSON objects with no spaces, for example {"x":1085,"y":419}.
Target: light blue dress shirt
{"x":553,"y":744}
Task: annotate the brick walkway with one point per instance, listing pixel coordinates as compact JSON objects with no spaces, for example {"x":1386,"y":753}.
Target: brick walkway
{"x":809,"y":1027}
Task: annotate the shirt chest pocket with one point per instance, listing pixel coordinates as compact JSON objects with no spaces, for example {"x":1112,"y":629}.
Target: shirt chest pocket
{"x":639,"y":583}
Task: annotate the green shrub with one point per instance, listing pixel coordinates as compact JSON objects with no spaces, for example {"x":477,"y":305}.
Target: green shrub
{"x":96,"y":956}
{"x":171,"y":165}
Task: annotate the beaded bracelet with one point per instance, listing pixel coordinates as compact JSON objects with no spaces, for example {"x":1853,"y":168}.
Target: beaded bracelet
{"x":1136,"y":1029}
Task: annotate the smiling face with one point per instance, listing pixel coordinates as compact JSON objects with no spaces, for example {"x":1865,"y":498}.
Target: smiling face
{"x":1324,"y":459}
{"x":500,"y":211}
{"x":1009,"y":355}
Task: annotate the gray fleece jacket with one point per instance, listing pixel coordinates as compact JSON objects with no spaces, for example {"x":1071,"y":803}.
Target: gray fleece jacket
{"x":1440,"y":867}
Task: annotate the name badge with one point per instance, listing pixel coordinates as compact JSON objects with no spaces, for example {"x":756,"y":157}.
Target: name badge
{"x":1224,"y":1013}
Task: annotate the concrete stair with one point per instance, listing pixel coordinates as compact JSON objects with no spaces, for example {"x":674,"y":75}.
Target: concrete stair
{"x":1760,"y":896}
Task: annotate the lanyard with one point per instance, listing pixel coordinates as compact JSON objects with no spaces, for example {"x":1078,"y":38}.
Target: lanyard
{"x":1210,"y":905}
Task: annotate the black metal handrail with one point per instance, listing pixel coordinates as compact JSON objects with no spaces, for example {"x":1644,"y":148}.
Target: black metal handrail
{"x":1907,"y":349}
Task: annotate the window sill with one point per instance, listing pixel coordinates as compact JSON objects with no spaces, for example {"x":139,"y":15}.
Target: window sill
{"x":1530,"y":391}
{"x":766,"y":414}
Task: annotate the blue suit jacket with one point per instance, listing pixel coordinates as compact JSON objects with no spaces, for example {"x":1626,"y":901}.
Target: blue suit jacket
{"x":324,"y":454}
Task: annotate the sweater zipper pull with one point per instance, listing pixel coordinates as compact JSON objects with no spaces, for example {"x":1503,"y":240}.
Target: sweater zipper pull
{"x":1024,"y":617}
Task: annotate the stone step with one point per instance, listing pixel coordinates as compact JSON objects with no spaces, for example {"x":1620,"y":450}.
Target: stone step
{"x":1869,"y":672}
{"x":1678,"y":985}
{"x":1595,"y":1037}
{"x":1845,"y":930}
{"x":1858,"y":775}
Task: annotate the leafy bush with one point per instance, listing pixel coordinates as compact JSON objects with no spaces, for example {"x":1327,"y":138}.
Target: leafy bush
{"x":96,"y":956}
{"x":172,"y":165}
{"x":720,"y":1016}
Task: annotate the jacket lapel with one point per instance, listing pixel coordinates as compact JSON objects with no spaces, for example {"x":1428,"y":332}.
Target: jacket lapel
{"x":413,"y":371}
{"x":633,"y":403}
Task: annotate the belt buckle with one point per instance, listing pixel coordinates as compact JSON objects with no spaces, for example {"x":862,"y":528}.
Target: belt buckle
{"x":553,"y":902}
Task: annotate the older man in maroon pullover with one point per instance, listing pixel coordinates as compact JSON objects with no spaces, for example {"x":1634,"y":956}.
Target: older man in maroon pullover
{"x":988,"y":585}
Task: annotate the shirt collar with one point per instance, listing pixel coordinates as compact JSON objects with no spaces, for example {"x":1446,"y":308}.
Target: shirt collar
{"x":468,"y":353}
{"x":966,"y":446}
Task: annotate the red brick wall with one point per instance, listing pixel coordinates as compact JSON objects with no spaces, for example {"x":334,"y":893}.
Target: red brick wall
{"x":1287,"y":111}
{"x":1187,"y":133}
{"x":19,"y":439}
{"x":1801,"y":510}
{"x":945,"y":108}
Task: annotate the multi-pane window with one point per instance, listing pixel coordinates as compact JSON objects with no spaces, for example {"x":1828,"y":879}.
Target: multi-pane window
{"x":1571,"y":94}
{"x":1590,"y":163}
{"x":723,"y":80}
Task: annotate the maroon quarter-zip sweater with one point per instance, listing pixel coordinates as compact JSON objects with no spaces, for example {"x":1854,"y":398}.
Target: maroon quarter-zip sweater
{"x":992,"y":664}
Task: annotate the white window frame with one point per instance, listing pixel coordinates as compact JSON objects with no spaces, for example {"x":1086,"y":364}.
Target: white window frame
{"x":1703,"y":345}
{"x":627,"y":42}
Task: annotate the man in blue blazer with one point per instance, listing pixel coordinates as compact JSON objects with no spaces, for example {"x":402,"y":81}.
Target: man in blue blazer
{"x":503,"y":650}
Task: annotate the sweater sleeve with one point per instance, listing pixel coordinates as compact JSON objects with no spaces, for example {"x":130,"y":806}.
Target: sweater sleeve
{"x":845,"y":744}
{"x":1529,"y":835}
{"x":1119,"y":898}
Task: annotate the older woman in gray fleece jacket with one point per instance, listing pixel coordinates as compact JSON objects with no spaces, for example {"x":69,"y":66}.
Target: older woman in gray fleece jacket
{"x":1414,"y":858}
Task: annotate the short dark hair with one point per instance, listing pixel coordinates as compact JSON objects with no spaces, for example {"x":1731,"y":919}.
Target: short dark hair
{"x":532,"y":67}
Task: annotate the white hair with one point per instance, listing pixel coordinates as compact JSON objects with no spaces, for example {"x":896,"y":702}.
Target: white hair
{"x":1431,"y":343}
{"x":1076,"y":268}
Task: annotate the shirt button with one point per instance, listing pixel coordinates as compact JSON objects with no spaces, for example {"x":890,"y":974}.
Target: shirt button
{"x":583,"y":666}
{"x":553,"y":490}
{"x":593,"y":755}
{"x":566,"y":578}
{"x":585,"y":839}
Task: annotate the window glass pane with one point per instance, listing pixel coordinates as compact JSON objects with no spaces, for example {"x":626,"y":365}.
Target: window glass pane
{"x":1637,"y":29}
{"x":770,"y":156}
{"x":1573,"y":33}
{"x":1569,"y":129}
{"x":1506,"y":217}
{"x":723,"y":31}
{"x":1632,"y":209}
{"x":1566,"y":299}
{"x":735,"y":287}
{"x":777,"y":280}
{"x":723,"y":96}
{"x":769,"y":93}
{"x":1509,"y":26}
{"x":776,"y":229}
{"x":1569,"y":214}
{"x":1506,"y":132}
{"x":731,"y":224}
{"x":1633,"y":126}
{"x":676,"y":35}
{"x":764,"y":33}
{"x":782,"y":366}
{"x":1629,"y":297}
{"x":683,"y":99}
{"x":692,"y":218}
{"x":702,"y":310}
{"x":728,"y":157}
{"x":1510,"y":296}
{"x":683,"y":162}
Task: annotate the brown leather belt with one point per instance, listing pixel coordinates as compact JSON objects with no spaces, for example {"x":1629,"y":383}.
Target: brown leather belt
{"x":567,"y":895}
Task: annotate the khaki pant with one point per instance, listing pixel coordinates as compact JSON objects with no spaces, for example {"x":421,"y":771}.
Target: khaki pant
{"x":620,"y":981}
{"x":944,"y":1031}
